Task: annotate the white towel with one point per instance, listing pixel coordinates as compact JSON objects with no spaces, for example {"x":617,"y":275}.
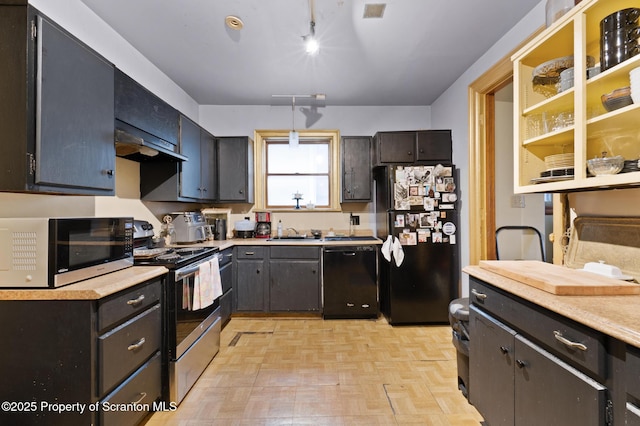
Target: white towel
{"x":216,"y":280}
{"x":398,"y":253}
{"x":386,"y":248}
{"x":209,"y":283}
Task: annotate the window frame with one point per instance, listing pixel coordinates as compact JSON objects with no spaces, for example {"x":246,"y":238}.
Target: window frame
{"x":261,"y":137}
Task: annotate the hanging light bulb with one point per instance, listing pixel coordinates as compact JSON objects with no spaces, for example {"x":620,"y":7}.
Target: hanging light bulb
{"x":293,"y":135}
{"x":311,"y":44}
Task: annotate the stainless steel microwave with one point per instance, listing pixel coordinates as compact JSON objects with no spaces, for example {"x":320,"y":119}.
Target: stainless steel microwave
{"x":52,"y":252}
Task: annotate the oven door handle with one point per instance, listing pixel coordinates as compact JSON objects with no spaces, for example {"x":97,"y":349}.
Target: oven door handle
{"x":189,"y":270}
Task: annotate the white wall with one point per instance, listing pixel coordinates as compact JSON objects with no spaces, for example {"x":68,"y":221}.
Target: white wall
{"x":450,"y":111}
{"x":513,"y":244}
{"x":350,"y":120}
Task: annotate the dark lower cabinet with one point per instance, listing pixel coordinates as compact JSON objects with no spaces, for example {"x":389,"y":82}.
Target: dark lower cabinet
{"x":57,"y":108}
{"x":226,"y":276}
{"x":95,"y":353}
{"x":277,"y":279}
{"x":251,"y":279}
{"x":515,"y":382}
{"x":530,"y":366}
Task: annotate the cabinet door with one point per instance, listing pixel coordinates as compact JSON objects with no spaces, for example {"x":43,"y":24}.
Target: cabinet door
{"x":396,"y":147}
{"x":235,"y":169}
{"x":294,"y":285}
{"x":491,"y":364}
{"x":208,"y":175}
{"x":190,"y":169}
{"x":140,"y":108}
{"x":356,"y":169}
{"x":74,"y":113}
{"x":434,"y":146}
{"x":551,"y":392}
{"x":250,"y":285}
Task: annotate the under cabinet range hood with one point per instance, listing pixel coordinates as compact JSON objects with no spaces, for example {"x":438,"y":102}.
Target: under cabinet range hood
{"x":138,"y":145}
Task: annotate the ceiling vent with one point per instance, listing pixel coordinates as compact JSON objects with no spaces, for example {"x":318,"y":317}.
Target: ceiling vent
{"x":374,"y":10}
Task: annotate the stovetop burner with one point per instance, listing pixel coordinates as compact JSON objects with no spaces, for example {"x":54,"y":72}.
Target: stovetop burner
{"x":168,"y":256}
{"x":172,"y":258}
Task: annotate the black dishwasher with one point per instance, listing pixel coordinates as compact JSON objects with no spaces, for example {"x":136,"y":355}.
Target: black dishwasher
{"x":350,"y":284}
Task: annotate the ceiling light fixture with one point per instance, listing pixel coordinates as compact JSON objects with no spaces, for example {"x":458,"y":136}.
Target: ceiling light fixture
{"x":294,"y":138}
{"x":233,"y":22}
{"x":293,"y":135}
{"x":311,"y":44}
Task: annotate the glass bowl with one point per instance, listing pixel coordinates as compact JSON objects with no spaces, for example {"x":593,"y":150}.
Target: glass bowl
{"x":605,"y":165}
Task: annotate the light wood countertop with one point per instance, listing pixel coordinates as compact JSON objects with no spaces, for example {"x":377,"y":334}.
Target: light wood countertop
{"x":92,"y":289}
{"x":223,"y":244}
{"x":616,"y":316}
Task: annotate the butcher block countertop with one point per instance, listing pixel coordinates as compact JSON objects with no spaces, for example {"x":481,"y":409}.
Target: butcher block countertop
{"x":92,"y":289}
{"x":615,"y":315}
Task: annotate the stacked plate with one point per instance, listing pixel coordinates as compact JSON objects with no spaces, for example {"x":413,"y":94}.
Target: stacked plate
{"x":559,"y":161}
{"x":634,"y":77}
{"x":631,"y":166}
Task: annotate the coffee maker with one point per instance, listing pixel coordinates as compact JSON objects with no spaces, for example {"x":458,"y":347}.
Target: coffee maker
{"x":263,"y":225}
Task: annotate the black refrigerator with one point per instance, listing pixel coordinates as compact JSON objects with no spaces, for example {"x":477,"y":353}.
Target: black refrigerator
{"x":417,"y":206}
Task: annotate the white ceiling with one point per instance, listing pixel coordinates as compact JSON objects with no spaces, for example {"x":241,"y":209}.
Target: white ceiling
{"x":408,"y":57}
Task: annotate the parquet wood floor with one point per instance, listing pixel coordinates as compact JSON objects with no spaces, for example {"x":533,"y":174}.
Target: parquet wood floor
{"x":308,"y":371}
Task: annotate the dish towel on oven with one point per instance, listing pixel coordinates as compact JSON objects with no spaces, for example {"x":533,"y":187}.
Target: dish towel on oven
{"x":207,"y":285}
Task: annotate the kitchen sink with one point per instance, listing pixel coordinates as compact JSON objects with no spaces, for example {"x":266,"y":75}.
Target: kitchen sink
{"x":292,"y":237}
{"x":350,"y":238}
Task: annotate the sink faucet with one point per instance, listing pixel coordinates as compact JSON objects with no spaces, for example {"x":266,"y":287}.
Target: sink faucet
{"x":293,"y":229}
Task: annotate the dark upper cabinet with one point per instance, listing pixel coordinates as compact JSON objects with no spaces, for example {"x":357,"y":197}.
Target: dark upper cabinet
{"x":434,"y":145}
{"x":395,"y":147}
{"x":356,"y":168}
{"x":138,"y":107}
{"x":192,"y":180}
{"x":57,"y":109}
{"x":208,"y":166}
{"x":422,"y":147}
{"x":235,"y":169}
{"x":189,"y":171}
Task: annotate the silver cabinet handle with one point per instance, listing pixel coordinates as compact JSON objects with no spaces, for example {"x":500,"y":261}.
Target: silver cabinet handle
{"x":136,"y":345}
{"x":573,"y":345}
{"x":366,"y":305}
{"x":143,"y":395}
{"x":351,"y":305}
{"x":478,"y":295}
{"x":137,"y":301}
{"x":249,"y":253}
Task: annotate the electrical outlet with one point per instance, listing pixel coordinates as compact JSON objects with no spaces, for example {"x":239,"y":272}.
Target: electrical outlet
{"x":355,"y":220}
{"x":517,"y":201}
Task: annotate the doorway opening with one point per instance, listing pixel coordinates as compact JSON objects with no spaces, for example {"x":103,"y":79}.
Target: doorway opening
{"x":483,"y":199}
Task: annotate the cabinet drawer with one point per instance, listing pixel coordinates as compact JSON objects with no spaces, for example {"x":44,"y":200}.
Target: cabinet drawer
{"x":250,"y":252}
{"x":295,"y":252}
{"x":143,"y":387}
{"x":226,"y":277}
{"x":225,"y":257}
{"x":125,"y":348}
{"x":632,"y":370}
{"x":561,"y":336}
{"x":126,"y":304}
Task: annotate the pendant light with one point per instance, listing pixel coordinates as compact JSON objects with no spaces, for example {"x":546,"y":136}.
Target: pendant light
{"x":294,"y":138}
{"x":293,"y":135}
{"x":311,"y":45}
